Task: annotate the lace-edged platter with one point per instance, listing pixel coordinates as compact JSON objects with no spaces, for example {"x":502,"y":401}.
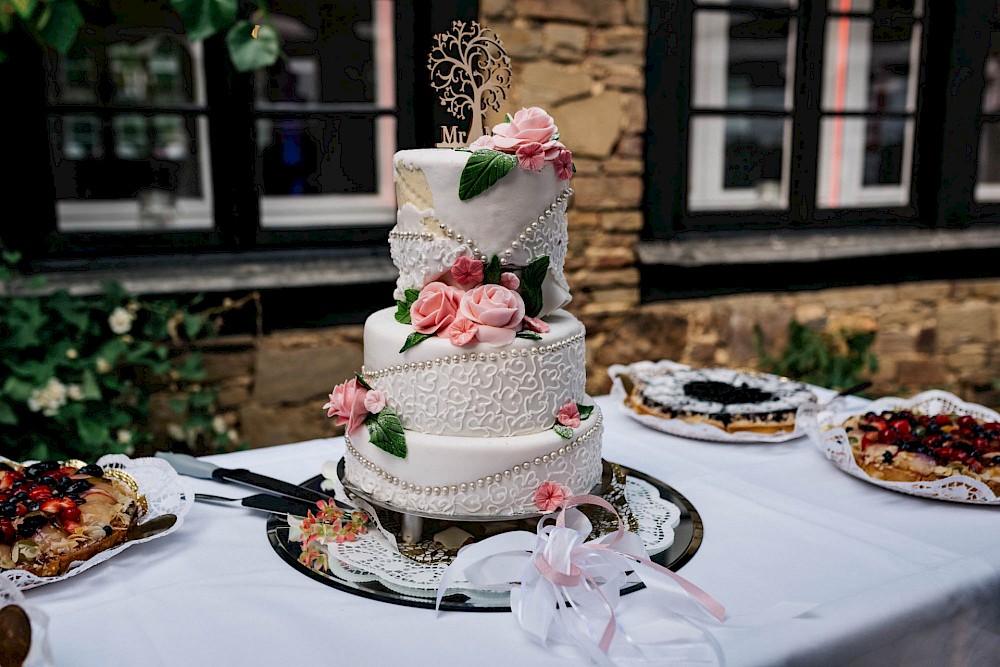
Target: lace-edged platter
{"x":623,"y":379}
{"x":669,"y":525}
{"x":165,"y":492}
{"x":825,"y":430}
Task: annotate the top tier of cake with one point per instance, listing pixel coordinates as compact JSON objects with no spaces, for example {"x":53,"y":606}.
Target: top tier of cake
{"x":519,"y":218}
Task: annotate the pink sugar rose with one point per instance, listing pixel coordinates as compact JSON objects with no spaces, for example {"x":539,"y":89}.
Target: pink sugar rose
{"x":531,"y":156}
{"x":564,"y":165}
{"x":549,"y":496}
{"x":509,"y":280}
{"x":462,"y":332}
{"x":527,"y":125}
{"x":536,"y":324}
{"x":569,"y":415}
{"x":435,"y":308}
{"x":497,"y":311}
{"x":347,"y":404}
{"x":467,"y":271}
{"x":375,"y":401}
{"x":485,"y":141}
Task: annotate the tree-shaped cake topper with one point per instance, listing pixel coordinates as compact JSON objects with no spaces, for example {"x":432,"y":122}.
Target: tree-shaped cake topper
{"x":471,"y":71}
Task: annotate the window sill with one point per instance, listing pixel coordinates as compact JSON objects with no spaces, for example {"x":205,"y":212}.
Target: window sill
{"x":210,"y":272}
{"x":810,"y":246}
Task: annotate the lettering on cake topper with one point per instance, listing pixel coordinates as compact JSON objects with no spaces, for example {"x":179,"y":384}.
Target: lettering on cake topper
{"x":471,"y":71}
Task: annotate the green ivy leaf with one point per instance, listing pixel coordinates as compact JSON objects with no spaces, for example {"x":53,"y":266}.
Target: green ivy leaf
{"x":413,"y":339}
{"x":386,"y":432}
{"x":484,"y":168}
{"x":7,"y":415}
{"x":92,"y":432}
{"x":204,"y":18}
{"x":61,"y":26}
{"x":17,"y":389}
{"x":89,"y":388}
{"x":25,"y":8}
{"x":585,"y":410}
{"x":491,"y":272}
{"x":563,"y":431}
{"x":531,"y":285}
{"x":530,"y":335}
{"x":250,"y":53}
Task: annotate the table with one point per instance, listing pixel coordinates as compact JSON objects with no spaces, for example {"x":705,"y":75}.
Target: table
{"x":895,"y":579}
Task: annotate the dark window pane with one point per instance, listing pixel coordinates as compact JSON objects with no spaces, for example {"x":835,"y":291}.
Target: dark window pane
{"x":865,"y":162}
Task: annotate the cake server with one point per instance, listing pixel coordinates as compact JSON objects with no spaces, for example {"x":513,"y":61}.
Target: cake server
{"x":263,"y":502}
{"x":188,"y":465}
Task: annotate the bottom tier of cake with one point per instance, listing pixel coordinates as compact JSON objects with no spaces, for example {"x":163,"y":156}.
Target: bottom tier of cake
{"x":475,"y":477}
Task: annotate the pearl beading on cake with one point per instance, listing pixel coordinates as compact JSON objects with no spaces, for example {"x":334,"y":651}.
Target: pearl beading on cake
{"x":469,"y":356}
{"x":560,"y":204}
{"x":482,"y":481}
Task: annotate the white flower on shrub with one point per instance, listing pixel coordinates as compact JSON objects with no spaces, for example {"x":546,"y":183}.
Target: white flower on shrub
{"x":233,"y":435}
{"x":219,"y":424}
{"x":124,"y":436}
{"x":74,"y":392}
{"x":102,"y":365}
{"x":120,"y":320}
{"x":49,"y":398}
{"x":176,"y":431}
{"x":71,"y":353}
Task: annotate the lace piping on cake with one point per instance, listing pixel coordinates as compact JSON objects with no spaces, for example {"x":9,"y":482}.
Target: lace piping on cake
{"x":469,"y":356}
{"x":482,"y":481}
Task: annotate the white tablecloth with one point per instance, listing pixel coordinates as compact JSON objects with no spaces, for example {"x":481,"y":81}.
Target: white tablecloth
{"x":896,"y":579}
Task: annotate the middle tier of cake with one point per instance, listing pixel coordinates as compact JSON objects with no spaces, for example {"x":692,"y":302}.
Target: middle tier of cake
{"x":477,"y":390}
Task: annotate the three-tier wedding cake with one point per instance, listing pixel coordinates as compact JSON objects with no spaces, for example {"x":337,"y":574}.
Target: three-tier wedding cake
{"x":472,"y":398}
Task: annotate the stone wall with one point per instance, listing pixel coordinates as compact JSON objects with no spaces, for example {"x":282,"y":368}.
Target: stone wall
{"x":584,"y":61}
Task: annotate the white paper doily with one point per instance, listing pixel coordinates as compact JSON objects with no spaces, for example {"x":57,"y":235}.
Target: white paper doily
{"x":373,"y":559}
{"x":166,"y":493}
{"x":695,"y":431}
{"x":824,"y":429}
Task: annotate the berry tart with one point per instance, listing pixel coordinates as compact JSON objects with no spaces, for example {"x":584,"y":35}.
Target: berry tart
{"x":732,"y":400}
{"x":54,"y":514}
{"x":910,"y":446}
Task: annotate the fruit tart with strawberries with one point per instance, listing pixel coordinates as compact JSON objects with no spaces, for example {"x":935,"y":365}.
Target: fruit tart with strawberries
{"x":54,"y":514}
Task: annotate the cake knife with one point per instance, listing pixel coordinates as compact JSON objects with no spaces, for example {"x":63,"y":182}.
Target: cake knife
{"x":263,"y":502}
{"x":188,"y":465}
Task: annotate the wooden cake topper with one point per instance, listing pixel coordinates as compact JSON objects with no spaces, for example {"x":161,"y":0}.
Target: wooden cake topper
{"x":471,"y":71}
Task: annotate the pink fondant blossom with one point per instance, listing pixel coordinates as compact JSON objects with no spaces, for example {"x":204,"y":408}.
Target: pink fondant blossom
{"x":462,"y":331}
{"x":347,"y":404}
{"x":509,"y":280}
{"x":569,"y":415}
{"x":527,"y":125}
{"x":530,"y":156}
{"x":375,"y":401}
{"x":496,"y":310}
{"x":485,"y":141}
{"x":536,"y":324}
{"x":549,"y":496}
{"x":435,"y":308}
{"x":563,"y":163}
{"x":467,"y":271}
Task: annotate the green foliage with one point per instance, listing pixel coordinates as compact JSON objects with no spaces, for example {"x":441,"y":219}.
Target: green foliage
{"x":77,"y":373}
{"x":834,"y":360}
{"x":56,"y":24}
{"x":531,"y":285}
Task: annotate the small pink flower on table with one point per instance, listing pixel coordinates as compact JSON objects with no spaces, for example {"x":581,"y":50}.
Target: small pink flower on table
{"x":497,"y":311}
{"x":509,"y":280}
{"x":569,"y":415}
{"x":467,"y":271}
{"x":347,"y":404}
{"x":550,"y":495}
{"x":435,"y":308}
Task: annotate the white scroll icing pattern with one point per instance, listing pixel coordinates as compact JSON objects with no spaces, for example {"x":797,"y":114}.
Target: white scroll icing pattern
{"x":487,"y":395}
{"x":506,"y":493}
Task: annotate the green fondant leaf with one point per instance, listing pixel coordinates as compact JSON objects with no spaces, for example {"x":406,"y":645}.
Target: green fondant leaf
{"x":413,"y":339}
{"x":362,"y":382}
{"x":403,"y":307}
{"x":484,"y":168}
{"x":585,"y":410}
{"x":491,"y":272}
{"x":531,"y":285}
{"x":386,"y":432}
{"x":528,"y":334}
{"x":507,"y":118}
{"x":563,"y":431}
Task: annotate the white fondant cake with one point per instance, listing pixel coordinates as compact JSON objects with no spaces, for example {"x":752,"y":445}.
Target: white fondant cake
{"x":472,"y":392}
